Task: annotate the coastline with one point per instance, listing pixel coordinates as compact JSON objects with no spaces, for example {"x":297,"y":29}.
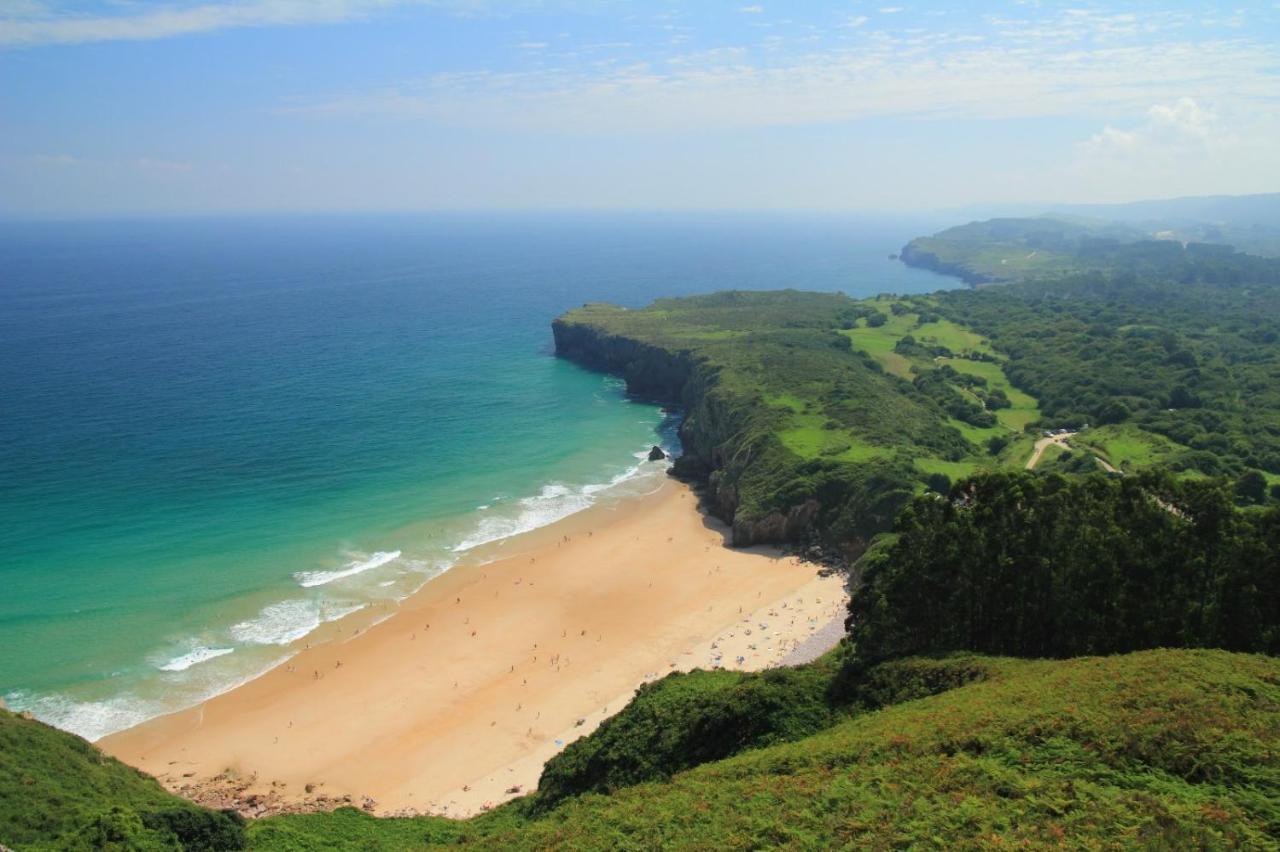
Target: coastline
{"x":455,"y":700}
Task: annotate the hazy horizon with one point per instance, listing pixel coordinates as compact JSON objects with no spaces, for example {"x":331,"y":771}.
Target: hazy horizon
{"x":392,"y":106}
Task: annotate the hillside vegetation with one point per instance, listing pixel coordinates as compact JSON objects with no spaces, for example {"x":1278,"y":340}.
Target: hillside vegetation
{"x":1160,"y":749}
{"x":59,"y":792}
{"x":809,"y":412}
{"x":818,"y":415}
{"x":1053,"y":566}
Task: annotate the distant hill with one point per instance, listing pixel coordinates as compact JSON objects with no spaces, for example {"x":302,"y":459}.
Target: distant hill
{"x":1010,"y":249}
{"x":1250,"y":223}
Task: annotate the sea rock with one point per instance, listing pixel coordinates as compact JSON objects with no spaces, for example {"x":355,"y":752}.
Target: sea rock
{"x":656,"y":454}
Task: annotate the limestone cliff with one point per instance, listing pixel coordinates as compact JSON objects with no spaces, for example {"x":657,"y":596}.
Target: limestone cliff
{"x":711,"y":432}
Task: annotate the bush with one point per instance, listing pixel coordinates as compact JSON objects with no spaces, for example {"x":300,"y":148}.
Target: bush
{"x":199,"y":830}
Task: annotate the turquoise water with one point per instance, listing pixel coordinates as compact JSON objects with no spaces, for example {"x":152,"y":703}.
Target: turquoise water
{"x":217,"y":435}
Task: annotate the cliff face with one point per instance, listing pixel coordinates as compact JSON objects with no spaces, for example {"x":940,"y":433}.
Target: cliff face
{"x":650,"y":371}
{"x":913,"y":255}
{"x":714,"y":455}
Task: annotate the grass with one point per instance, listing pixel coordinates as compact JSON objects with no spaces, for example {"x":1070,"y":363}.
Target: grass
{"x":786,"y":407}
{"x":955,"y":337}
{"x":879,"y":342}
{"x":1127,"y":447}
{"x":1156,"y":749}
{"x":59,"y":792}
{"x":955,"y":470}
{"x":1050,"y":453}
{"x":1024,"y":407}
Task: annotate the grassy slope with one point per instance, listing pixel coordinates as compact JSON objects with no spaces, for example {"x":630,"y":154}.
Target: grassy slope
{"x":1127,"y":447}
{"x":1157,"y":749}
{"x":879,"y":342}
{"x":56,"y":788}
{"x":756,"y":340}
{"x":813,"y":403}
{"x":1012,"y":249}
{"x":750,"y":337}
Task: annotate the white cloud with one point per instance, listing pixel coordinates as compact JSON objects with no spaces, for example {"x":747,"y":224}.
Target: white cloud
{"x":923,"y":76}
{"x":27,"y":24}
{"x":1181,"y":126}
{"x":754,"y":9}
{"x":1182,"y":147}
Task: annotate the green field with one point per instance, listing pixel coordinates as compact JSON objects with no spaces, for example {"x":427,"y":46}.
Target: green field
{"x":879,"y":342}
{"x":1127,"y":447}
{"x":1025,"y":409}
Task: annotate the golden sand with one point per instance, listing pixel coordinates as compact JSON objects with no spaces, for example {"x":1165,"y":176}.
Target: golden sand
{"x":457,"y":700}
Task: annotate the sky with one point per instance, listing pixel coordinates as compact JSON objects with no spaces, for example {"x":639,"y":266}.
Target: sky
{"x":126,"y":107}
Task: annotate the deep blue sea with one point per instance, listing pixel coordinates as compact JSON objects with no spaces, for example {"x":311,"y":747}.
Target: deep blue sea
{"x":217,"y":435}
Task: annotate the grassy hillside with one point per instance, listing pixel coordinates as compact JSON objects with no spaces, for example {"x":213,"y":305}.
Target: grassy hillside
{"x":1014,"y":249}
{"x":809,"y":411}
{"x":1156,"y":749}
{"x":59,"y":792}
{"x":1160,"y":749}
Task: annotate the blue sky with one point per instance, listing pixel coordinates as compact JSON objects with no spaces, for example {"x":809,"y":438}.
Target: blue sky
{"x":127,"y":107}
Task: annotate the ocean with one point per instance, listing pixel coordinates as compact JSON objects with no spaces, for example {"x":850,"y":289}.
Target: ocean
{"x":218,"y":435}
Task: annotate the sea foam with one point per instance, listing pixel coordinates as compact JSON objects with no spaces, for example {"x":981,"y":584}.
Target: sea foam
{"x":199,"y":655}
{"x":286,"y":622}
{"x":553,"y":503}
{"x":307,"y":579}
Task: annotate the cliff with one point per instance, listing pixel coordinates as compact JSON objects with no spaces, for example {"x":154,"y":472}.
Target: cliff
{"x":916,"y":255}
{"x":719,"y":432}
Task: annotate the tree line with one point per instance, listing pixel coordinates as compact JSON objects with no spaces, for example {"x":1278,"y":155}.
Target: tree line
{"x":1051,"y":566}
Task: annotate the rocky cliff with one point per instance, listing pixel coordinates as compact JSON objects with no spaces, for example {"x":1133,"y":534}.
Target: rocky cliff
{"x":715,"y":432}
{"x":914,"y":255}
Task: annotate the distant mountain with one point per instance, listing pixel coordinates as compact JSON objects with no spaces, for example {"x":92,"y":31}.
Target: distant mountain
{"x":1250,"y":223}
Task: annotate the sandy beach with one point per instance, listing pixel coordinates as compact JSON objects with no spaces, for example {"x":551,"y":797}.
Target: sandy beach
{"x":456,"y":700}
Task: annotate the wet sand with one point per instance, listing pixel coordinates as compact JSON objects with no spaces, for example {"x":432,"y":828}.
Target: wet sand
{"x":455,"y":701}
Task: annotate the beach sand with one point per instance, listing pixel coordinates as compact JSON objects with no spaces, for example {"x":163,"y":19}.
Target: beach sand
{"x":456,"y":701}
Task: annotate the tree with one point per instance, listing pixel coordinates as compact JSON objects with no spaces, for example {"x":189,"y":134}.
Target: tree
{"x":1251,"y":487}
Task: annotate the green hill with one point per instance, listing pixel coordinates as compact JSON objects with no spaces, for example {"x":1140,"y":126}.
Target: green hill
{"x":1157,"y":749}
{"x":59,"y":792}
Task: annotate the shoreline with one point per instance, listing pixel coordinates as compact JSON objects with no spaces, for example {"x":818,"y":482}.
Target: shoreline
{"x":454,"y":700}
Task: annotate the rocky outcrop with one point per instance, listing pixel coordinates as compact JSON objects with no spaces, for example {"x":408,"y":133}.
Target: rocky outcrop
{"x":776,"y":527}
{"x":656,"y":454}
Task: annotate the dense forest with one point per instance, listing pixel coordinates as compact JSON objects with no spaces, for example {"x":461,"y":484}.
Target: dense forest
{"x":1051,"y":566}
{"x":1186,"y":345}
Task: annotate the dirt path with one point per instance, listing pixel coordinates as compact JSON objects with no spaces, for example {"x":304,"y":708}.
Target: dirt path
{"x":1044,"y":444}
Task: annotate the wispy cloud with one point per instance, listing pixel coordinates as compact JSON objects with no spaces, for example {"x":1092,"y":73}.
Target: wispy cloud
{"x":36,"y":29}
{"x":28,"y":23}
{"x":942,"y":75}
